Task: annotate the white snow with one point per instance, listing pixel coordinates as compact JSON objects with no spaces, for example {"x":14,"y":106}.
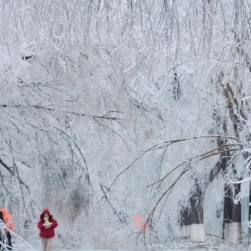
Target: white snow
{"x":211,"y":243}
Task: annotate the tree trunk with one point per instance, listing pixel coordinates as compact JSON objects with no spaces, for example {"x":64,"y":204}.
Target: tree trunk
{"x":192,"y":225}
{"x":232,"y":215}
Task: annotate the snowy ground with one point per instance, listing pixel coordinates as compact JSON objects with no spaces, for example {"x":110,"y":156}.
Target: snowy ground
{"x":196,"y":247}
{"x":210,"y":245}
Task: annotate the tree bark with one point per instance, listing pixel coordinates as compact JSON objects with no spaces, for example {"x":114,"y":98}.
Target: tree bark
{"x":192,"y":224}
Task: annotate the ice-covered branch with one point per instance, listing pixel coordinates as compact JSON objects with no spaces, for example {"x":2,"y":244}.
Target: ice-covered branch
{"x":106,"y":116}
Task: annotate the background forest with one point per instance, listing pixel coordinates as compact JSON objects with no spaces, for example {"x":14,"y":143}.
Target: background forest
{"x":116,"y":109}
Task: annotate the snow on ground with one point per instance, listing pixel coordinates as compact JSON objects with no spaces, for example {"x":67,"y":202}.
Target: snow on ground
{"x":188,"y":247}
{"x":181,"y":245}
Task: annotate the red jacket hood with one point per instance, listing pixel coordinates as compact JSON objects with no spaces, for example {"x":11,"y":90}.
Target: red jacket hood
{"x":46,"y":211}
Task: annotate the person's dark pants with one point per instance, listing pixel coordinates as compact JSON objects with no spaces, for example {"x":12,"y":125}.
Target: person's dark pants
{"x":8,"y":235}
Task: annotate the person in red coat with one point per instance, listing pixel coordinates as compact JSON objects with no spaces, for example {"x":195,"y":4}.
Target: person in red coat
{"x":47,"y":225}
{"x":9,"y":222}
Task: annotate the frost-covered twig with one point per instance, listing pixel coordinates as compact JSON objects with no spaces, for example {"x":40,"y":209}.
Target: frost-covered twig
{"x":61,"y":111}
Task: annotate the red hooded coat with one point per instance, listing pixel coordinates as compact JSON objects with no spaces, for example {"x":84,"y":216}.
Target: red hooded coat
{"x":47,"y":232}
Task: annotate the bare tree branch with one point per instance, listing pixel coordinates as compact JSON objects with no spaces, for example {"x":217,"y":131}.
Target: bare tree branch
{"x":67,"y":112}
